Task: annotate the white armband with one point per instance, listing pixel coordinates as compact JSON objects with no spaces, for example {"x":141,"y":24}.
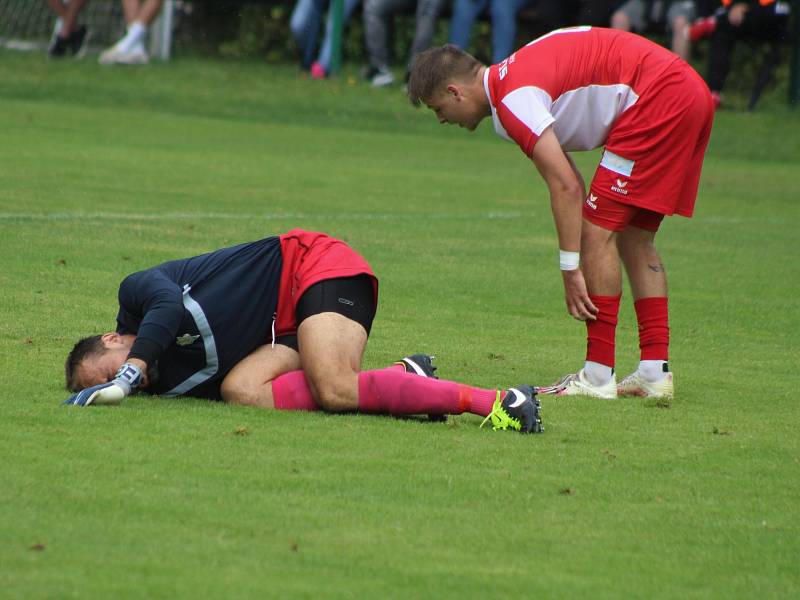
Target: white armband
{"x":569,"y":261}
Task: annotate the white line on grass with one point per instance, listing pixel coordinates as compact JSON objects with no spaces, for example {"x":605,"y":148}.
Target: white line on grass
{"x":188,"y":216}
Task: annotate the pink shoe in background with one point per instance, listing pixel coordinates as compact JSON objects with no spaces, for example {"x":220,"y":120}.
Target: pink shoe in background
{"x":317,"y":71}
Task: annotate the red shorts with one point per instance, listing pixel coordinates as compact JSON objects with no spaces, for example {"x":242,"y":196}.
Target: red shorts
{"x":308,"y":258}
{"x":654,"y":152}
{"x":616,"y":216}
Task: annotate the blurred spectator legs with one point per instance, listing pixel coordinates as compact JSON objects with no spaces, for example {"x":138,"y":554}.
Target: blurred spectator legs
{"x":761,"y":23}
{"x":378,"y":20}
{"x":465,"y":13}
{"x":679,"y":15}
{"x":640,"y":16}
{"x":130,"y":50}
{"x":503,"y":14}
{"x":504,"y":26}
{"x":68,"y":35}
{"x":305,"y":24}
{"x":427,"y":13}
{"x":322,"y":66}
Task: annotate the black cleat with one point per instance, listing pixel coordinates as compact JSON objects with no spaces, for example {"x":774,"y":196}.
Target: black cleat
{"x":518,"y":410}
{"x":420,"y":364}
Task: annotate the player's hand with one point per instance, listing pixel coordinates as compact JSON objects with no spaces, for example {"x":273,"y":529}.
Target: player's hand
{"x":105,"y":393}
{"x":578,"y":303}
{"x":125,"y":381}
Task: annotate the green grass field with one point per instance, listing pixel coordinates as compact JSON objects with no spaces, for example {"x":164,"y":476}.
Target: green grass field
{"x":104,"y":172}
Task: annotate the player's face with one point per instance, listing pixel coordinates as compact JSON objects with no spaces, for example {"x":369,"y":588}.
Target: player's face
{"x":101,"y":368}
{"x":454,"y":108}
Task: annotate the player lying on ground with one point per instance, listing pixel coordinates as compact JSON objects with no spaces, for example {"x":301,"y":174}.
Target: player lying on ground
{"x":578,"y":89}
{"x":278,"y":323}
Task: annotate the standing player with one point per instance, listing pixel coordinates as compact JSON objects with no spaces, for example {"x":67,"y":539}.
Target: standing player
{"x":278,"y":323}
{"x":578,"y":89}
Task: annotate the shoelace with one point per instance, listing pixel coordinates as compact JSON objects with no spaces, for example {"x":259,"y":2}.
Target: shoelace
{"x":489,"y":416}
{"x":556,"y":387}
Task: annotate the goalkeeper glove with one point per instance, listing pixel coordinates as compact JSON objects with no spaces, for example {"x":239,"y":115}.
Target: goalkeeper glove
{"x":125,"y":381}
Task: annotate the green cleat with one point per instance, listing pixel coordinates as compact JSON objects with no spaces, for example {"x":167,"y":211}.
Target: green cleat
{"x":518,"y":410}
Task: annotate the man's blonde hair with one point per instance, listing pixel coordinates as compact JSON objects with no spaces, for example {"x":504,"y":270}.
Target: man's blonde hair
{"x":435,"y":67}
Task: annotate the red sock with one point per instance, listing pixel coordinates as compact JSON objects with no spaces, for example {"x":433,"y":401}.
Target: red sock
{"x":290,"y":391}
{"x":601,"y":332}
{"x":653,"y":317}
{"x":390,"y":391}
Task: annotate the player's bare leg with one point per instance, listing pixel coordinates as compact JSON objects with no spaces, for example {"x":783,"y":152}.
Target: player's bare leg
{"x":331,"y":349}
{"x":600,"y":263}
{"x":648,"y":281}
{"x":642,"y":262}
{"x":600,"y":260}
{"x":250,"y":381}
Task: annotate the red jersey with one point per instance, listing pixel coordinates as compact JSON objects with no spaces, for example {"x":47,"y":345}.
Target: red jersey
{"x":604,"y":87}
{"x":580,"y":79}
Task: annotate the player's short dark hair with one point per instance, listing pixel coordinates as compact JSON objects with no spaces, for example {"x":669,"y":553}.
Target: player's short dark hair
{"x":85,"y":348}
{"x":432,"y":68}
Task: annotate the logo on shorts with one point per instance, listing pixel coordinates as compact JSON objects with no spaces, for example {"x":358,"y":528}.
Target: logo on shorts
{"x":346,"y":301}
{"x":620,"y":187}
{"x":591,"y":201}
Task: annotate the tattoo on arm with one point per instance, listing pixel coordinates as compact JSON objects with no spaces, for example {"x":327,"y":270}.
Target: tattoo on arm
{"x":657,"y":268}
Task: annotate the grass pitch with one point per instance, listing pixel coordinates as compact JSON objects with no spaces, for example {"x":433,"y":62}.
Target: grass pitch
{"x":103,"y":172}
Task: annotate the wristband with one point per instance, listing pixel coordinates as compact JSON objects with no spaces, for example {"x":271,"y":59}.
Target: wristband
{"x":568,"y":261}
{"x":128,"y":377}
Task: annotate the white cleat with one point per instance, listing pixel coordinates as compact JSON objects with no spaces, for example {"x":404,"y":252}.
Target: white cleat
{"x":116,"y":56}
{"x":576,"y":384}
{"x":636,"y":385}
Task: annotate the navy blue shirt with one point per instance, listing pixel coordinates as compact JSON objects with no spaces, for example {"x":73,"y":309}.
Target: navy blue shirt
{"x":196,"y":318}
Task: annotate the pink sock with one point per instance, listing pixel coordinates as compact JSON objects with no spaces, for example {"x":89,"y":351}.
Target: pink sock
{"x":390,"y":391}
{"x":290,"y":391}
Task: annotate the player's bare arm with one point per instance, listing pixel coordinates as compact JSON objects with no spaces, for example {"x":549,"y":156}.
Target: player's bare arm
{"x":566,"y":196}
{"x":577,"y":174}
